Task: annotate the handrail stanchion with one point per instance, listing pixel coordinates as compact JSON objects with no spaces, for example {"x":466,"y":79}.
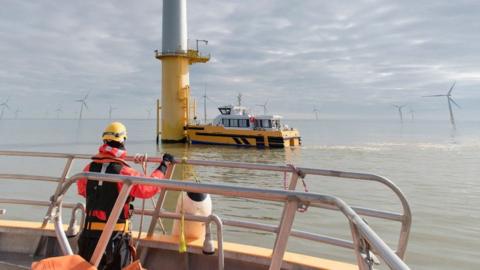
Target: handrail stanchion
{"x":155,"y":217}
{"x":285,"y":227}
{"x":293,"y":181}
{"x":159,"y":204}
{"x":112,"y":220}
{"x":65,"y":172}
{"x":61,"y":237}
{"x":362,"y":265}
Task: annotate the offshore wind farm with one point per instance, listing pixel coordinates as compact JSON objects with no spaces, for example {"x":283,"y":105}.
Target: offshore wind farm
{"x":351,"y":78}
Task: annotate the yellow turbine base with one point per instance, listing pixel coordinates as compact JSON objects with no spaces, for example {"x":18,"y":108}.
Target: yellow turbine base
{"x":175,"y":98}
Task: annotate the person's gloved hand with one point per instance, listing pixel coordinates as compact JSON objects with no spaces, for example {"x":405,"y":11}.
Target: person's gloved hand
{"x":166,"y":159}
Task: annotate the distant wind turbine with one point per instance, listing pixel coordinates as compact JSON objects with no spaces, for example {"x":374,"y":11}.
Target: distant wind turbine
{"x":83,"y":103}
{"x":205,"y":104}
{"x":450,"y":101}
{"x":264,"y":105}
{"x":4,"y":106}
{"x":239,"y":99}
{"x":110,"y":110}
{"x":17,"y":111}
{"x":58,"y":111}
{"x":412,"y":114}
{"x":316,"y":111}
{"x":400,"y":112}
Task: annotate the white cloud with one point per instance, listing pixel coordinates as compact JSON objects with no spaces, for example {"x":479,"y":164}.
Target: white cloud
{"x":294,"y":53}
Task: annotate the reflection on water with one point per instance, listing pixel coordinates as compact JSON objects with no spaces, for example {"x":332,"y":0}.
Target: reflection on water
{"x":436,"y":167}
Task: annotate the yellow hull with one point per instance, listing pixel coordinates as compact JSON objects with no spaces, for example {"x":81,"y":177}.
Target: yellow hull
{"x":208,"y":134}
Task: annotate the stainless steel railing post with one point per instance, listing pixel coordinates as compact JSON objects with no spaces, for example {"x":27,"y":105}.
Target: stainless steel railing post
{"x":65,"y":172}
{"x":285,"y":227}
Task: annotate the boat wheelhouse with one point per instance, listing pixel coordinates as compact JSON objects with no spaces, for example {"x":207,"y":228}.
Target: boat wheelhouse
{"x":236,"y":126}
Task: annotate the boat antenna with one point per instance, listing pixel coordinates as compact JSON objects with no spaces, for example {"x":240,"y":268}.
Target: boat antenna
{"x":239,"y":99}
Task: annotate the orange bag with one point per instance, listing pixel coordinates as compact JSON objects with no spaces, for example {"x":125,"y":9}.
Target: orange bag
{"x":69,"y":262}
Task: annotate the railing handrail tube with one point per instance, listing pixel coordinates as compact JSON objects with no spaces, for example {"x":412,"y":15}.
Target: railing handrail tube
{"x":390,"y":258}
{"x":404,"y":218}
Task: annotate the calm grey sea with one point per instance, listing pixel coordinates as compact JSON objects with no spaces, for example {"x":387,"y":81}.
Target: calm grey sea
{"x":436,"y":167}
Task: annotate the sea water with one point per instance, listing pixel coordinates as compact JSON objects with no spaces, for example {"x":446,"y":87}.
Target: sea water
{"x":435,"y":166}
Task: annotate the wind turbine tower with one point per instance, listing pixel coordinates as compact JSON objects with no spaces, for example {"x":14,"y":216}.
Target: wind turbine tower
{"x":176,"y":58}
{"x":316,"y":111}
{"x":400,"y":112}
{"x":17,"y":111}
{"x":450,"y":101}
{"x":264,"y":105}
{"x":83,"y":103}
{"x":412,"y":114}
{"x":4,"y":106}
{"x":110,"y":110}
{"x":58,"y":111}
{"x":205,"y":105}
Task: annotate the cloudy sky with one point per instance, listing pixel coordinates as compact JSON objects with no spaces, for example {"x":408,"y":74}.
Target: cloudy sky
{"x":348,"y":58}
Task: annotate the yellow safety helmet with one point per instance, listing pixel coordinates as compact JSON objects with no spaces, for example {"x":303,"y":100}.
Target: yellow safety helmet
{"x":115,"y":131}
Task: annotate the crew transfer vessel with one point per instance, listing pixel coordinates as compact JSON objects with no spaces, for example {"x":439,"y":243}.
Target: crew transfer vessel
{"x":236,"y":126}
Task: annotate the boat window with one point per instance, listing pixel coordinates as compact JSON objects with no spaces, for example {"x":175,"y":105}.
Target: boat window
{"x":225,"y":122}
{"x":276,"y":124}
{"x":234,"y":122}
{"x":266,"y":123}
{"x":225,"y":111}
{"x":243,"y":123}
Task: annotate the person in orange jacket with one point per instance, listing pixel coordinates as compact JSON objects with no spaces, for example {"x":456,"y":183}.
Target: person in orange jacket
{"x":101,"y":196}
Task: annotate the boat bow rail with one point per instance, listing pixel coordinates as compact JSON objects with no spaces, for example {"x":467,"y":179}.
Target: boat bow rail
{"x":364,"y":239}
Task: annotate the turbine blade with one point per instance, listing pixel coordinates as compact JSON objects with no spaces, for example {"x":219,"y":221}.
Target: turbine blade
{"x":434,"y":96}
{"x":451,"y":88}
{"x":453,"y":101}
{"x":85,"y":104}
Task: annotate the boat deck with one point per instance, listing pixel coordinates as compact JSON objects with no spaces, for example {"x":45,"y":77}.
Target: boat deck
{"x":258,"y":257}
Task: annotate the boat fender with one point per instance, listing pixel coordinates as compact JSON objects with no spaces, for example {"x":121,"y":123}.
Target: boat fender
{"x":199,"y":204}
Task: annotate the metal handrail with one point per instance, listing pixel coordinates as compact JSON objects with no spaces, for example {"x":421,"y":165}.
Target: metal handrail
{"x":313,"y":199}
{"x":404,"y":218}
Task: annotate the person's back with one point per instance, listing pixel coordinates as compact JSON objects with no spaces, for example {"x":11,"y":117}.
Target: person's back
{"x":101,"y":196}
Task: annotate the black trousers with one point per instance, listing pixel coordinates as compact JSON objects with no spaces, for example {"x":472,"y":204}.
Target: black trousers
{"x":117,"y":253}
